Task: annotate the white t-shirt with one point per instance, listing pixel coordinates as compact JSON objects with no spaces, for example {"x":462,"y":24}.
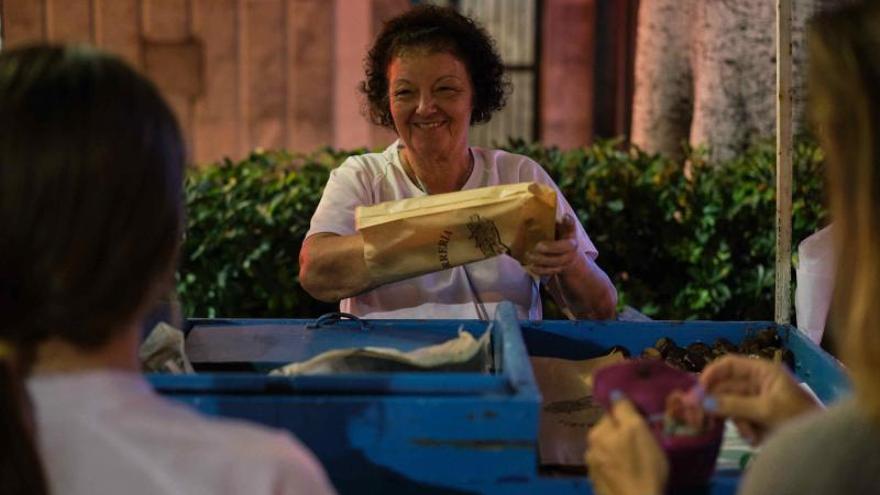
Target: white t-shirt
{"x":376,"y":177}
{"x":108,"y":432}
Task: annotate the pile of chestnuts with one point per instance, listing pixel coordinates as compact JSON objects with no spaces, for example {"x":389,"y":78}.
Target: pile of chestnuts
{"x":764,"y":344}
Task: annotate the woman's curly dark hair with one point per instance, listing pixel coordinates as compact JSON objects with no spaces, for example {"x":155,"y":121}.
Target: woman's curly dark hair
{"x":437,"y":29}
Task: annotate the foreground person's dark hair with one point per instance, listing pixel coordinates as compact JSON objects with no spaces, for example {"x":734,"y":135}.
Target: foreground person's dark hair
{"x":90,"y":214}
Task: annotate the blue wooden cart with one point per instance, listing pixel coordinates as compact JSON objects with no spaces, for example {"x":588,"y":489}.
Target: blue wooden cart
{"x":431,"y":432}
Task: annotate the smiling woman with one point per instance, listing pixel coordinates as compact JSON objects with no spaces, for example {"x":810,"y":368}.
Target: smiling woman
{"x":430,"y":75}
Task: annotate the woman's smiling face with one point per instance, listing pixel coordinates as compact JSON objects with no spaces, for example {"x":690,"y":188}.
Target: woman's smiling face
{"x":431,"y":98}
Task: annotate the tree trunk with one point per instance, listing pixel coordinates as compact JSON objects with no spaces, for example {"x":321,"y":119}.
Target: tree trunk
{"x":706,"y":74}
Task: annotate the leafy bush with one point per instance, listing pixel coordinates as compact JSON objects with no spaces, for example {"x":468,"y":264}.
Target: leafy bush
{"x":683,"y":245}
{"x":677,"y":245}
{"x":245,"y":224}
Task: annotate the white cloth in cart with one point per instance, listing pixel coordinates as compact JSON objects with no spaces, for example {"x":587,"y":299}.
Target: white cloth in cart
{"x":815,"y":283}
{"x":463,"y":353}
{"x":109,"y":432}
{"x":372,"y":178}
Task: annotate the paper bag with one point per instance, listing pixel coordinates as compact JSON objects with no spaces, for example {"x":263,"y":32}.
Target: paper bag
{"x":421,"y":235}
{"x":164,"y":351}
{"x":568,"y":408}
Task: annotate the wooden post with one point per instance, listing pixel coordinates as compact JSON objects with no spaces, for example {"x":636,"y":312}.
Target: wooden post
{"x":783,"y":161}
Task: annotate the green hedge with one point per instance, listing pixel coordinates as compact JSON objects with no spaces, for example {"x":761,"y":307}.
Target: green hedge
{"x":676,"y":247}
{"x":245,"y":224}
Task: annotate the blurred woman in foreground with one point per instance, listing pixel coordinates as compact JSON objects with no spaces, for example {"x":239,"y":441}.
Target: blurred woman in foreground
{"x":91,"y":164}
{"x":837,"y":451}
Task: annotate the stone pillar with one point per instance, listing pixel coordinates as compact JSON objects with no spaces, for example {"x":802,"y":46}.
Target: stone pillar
{"x":663,"y":97}
{"x":711,"y":65}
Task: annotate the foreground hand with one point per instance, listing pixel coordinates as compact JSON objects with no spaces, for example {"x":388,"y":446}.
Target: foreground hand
{"x":622,"y":455}
{"x":552,"y":257}
{"x":757,"y":394}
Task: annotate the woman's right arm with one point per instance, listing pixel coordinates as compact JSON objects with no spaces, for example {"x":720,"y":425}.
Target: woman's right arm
{"x":332,"y":266}
{"x":331,"y":260}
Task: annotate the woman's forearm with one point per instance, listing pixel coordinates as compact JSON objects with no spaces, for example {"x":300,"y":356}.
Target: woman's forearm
{"x":332,"y":267}
{"x":588,"y":290}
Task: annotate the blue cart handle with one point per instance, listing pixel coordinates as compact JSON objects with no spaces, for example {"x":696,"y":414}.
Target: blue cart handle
{"x":329,"y":319}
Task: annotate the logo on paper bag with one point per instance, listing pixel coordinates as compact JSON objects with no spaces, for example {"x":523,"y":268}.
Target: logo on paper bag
{"x":443,"y":249}
{"x":486,"y":236}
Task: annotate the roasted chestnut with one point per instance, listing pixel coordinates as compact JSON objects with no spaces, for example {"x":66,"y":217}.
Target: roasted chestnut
{"x":693,"y":361}
{"x":784,"y":356}
{"x":750,"y":346}
{"x":700,"y":348}
{"x":664,"y":344}
{"x":676,"y":356}
{"x":769,"y":353}
{"x":620,"y":350}
{"x":761,"y":344}
{"x":651,"y":353}
{"x":769,"y":338}
{"x":764,"y":338}
{"x":723,"y":346}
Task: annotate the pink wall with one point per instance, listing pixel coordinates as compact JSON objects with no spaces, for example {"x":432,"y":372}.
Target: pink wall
{"x":242,"y":74}
{"x":239,"y":74}
{"x":567,"y":68}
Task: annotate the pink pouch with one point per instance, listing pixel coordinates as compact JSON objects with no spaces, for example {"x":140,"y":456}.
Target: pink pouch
{"x":647,"y":383}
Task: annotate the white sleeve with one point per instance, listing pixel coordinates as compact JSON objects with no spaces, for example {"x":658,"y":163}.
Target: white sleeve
{"x":538,"y":174}
{"x":253,"y":459}
{"x":300,"y":473}
{"x":347,"y":188}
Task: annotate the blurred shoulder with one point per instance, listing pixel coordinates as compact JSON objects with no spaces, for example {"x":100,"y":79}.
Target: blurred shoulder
{"x":125,"y":434}
{"x":247,"y":456}
{"x":830,"y":452}
{"x":281,"y":457}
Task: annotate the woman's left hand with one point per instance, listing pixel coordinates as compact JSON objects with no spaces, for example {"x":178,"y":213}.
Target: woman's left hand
{"x":577,"y":283}
{"x":622,"y":455}
{"x":553,"y":257}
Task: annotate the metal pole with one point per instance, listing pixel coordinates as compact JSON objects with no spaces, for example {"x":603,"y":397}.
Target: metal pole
{"x":783,"y":161}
